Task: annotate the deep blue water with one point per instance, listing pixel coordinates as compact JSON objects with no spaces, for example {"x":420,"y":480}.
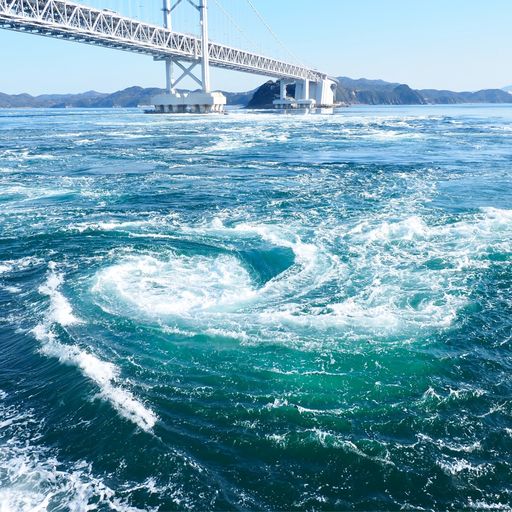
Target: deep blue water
{"x":256,"y":311}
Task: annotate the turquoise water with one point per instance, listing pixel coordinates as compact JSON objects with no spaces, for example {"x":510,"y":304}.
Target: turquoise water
{"x":256,"y":311}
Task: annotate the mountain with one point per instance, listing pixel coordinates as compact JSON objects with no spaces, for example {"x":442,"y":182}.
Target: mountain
{"x":239,"y":98}
{"x":484,"y":96}
{"x":85,"y":99}
{"x":376,"y":92}
{"x":130,"y":97}
{"x":507,"y":88}
{"x":267,"y":93}
{"x":349,"y":91}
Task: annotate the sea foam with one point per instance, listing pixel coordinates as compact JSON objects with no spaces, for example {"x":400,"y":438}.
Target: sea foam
{"x":104,"y":374}
{"x":33,"y":479}
{"x":403,"y":276}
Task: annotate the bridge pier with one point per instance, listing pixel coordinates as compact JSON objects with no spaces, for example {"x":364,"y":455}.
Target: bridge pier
{"x":168,"y":62}
{"x":308,"y":94}
{"x":325,"y":93}
{"x":284,"y":101}
{"x":189,"y":103}
{"x":199,"y":102}
{"x":302,"y":94}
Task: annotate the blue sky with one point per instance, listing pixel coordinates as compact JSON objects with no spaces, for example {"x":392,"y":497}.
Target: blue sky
{"x":452,"y":44}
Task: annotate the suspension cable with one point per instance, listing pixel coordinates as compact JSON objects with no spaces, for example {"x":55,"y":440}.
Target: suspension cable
{"x":233,"y":22}
{"x":272,"y":33}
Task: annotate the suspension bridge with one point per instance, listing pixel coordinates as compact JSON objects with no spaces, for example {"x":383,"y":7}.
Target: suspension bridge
{"x":182,"y":52}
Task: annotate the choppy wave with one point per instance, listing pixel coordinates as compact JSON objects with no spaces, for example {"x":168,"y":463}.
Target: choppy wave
{"x":255,"y":311}
{"x":32,"y":478}
{"x":411,"y":276}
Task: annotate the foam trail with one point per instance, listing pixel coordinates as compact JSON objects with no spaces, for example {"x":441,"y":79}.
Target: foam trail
{"x":104,"y":374}
{"x":61,"y":311}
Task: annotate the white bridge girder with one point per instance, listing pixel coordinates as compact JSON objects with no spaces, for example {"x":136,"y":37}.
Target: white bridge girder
{"x":69,"y":20}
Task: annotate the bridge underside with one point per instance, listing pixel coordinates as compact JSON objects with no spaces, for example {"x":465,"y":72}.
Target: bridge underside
{"x":75,"y":22}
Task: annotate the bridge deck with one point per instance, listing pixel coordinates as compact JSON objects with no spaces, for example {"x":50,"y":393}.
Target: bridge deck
{"x":69,"y":20}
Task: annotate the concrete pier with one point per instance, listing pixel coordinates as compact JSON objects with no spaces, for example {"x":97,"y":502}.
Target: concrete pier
{"x":189,"y":103}
{"x":308,"y":95}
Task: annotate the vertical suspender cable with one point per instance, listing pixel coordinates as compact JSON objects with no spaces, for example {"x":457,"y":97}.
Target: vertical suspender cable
{"x":276,"y":38}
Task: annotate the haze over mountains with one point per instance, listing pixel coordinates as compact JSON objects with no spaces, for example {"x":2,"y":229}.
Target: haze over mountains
{"x":349,"y":91}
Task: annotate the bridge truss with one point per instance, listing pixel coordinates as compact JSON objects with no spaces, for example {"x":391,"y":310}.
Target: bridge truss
{"x":72,"y":21}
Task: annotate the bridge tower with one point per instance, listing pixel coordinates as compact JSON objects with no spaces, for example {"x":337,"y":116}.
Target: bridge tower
{"x":203,"y":100}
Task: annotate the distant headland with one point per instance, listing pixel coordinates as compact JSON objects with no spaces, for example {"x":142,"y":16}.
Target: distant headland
{"x":349,"y":91}
{"x":378,"y":92}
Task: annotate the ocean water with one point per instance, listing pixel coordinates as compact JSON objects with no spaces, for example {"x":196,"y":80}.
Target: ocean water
{"x":256,"y":311}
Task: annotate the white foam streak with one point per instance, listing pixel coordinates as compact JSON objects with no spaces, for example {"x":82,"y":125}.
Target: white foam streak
{"x":21,"y":193}
{"x":104,"y":374}
{"x":116,"y":225}
{"x":61,"y":311}
{"x":455,"y":466}
{"x":8,"y":266}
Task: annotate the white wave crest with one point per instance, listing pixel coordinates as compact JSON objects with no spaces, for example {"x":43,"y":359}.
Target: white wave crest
{"x":22,"y":193}
{"x":8,"y":266}
{"x":61,"y":311}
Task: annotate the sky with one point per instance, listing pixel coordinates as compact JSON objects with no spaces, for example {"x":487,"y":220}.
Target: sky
{"x":442,"y":44}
